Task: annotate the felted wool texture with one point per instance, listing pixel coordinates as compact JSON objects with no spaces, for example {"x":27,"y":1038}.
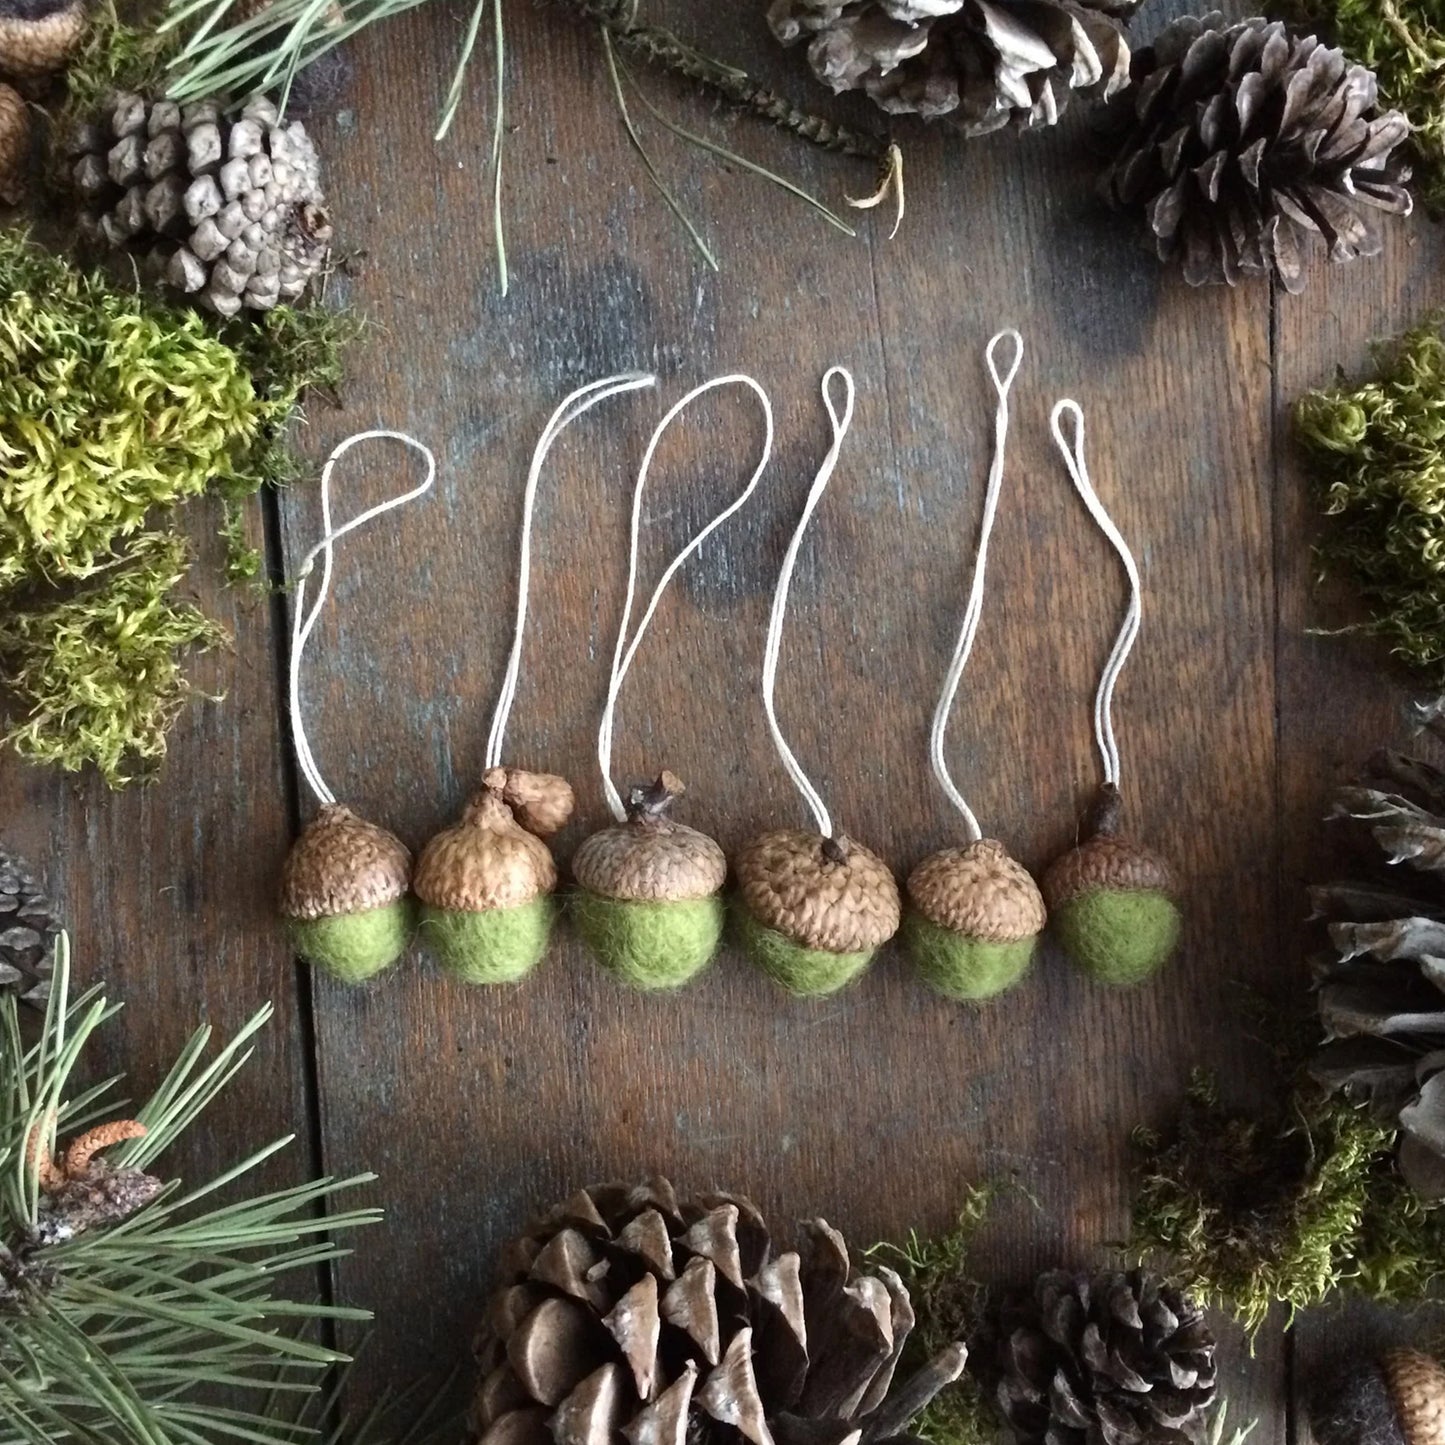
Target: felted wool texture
{"x":1119,"y":936}
{"x":354,"y":947}
{"x":650,"y":945}
{"x":960,"y":966}
{"x":499,"y":945}
{"x":1356,"y":1408}
{"x":804,"y":972}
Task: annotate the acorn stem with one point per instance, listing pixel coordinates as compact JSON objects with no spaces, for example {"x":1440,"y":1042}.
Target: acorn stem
{"x":650,"y":804}
{"x":1106,"y":814}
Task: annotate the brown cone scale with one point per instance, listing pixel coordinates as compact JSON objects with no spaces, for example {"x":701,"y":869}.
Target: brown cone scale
{"x":650,"y":858}
{"x":37,"y":38}
{"x":1417,"y":1387}
{"x":341,"y":865}
{"x":978,"y":891}
{"x":488,"y":860}
{"x":824,"y":893}
{"x":14,"y":145}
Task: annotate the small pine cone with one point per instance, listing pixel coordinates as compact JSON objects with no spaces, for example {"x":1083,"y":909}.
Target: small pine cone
{"x":487,"y":861}
{"x":343,"y":865}
{"x":29,"y":930}
{"x":1246,"y":147}
{"x":38,"y":37}
{"x":823,"y":893}
{"x":230,"y":212}
{"x":15,"y":130}
{"x":981,"y":64}
{"x":979,"y":891}
{"x":1399,"y":1400}
{"x":636,"y":1314}
{"x":1116,"y":1359}
{"x":650,"y":858}
{"x":541,"y":802}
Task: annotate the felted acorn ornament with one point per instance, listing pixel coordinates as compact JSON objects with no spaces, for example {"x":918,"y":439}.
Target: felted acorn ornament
{"x":485,"y":885}
{"x":649,"y":896}
{"x":345,"y":887}
{"x":974,"y":915}
{"x":649,"y":893}
{"x":1112,"y":901}
{"x":1397,"y":1400}
{"x":813,"y":907}
{"x":38,"y":37}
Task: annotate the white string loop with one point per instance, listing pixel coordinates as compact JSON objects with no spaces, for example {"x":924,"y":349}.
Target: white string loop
{"x":303,"y":622}
{"x":625,"y":651}
{"x":577,"y":404}
{"x":1073,"y":453}
{"x":780,"y":598}
{"x":973,"y":615}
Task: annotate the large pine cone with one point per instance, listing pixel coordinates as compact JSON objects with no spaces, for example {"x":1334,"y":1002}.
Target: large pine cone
{"x":674,"y":1322}
{"x":1117,"y":1359}
{"x":1381,"y":992}
{"x":230,"y":212}
{"x":981,"y":63}
{"x":1247,"y":147}
{"x":29,"y":930}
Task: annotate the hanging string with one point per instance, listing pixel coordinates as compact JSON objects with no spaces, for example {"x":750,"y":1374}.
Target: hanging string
{"x":1073,"y":453}
{"x":625,"y":651}
{"x":577,"y":404}
{"x":780,"y":598}
{"x":304,"y":622}
{"x":974,"y":613}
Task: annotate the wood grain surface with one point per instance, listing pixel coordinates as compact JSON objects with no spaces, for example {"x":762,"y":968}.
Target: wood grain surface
{"x":879,"y":1107}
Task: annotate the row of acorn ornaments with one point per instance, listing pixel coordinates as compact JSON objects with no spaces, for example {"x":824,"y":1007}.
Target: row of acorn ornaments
{"x":814,"y":907}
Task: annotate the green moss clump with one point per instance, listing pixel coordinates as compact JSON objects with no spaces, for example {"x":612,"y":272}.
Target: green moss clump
{"x":1252,"y":1212}
{"x":1377,"y":455}
{"x":950,"y":1305}
{"x":115,"y":411}
{"x":1403,"y":42}
{"x":114,"y":56}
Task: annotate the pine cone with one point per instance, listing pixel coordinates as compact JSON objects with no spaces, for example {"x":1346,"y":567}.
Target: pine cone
{"x":230,"y":212}
{"x":981,"y":63}
{"x":1382,"y":996}
{"x":29,"y":930}
{"x":14,"y":145}
{"x":1117,"y":1359}
{"x":1247,"y":147}
{"x":673,"y":1322}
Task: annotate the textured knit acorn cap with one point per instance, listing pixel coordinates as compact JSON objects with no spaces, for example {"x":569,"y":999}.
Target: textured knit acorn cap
{"x":1105,"y":860}
{"x":830,"y":894}
{"x":342,"y":865}
{"x":978,"y":891}
{"x":650,"y":858}
{"x":486,"y":861}
{"x":37,"y":37}
{"x":14,"y":145}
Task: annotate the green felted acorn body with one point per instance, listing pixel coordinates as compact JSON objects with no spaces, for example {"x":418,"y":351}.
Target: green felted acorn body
{"x":485,"y":885}
{"x":648,"y":902}
{"x":1112,"y":903}
{"x":973,"y":921}
{"x":344,"y":896}
{"x":813,"y":911}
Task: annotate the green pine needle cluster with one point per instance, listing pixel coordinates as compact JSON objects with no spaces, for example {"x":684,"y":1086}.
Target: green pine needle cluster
{"x":1376,"y":453}
{"x":148,"y":1326}
{"x":1248,"y":1213}
{"x":116,"y":411}
{"x":950,"y":1305}
{"x":1403,"y":42}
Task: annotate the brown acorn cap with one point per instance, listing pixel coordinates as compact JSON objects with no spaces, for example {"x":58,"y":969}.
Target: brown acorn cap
{"x":14,"y":145}
{"x":37,"y":37}
{"x":341,"y":865}
{"x":541,"y":802}
{"x":1417,"y":1386}
{"x":1105,"y":860}
{"x":486,"y":861}
{"x":650,"y":858}
{"x":978,"y":891}
{"x":825,"y":893}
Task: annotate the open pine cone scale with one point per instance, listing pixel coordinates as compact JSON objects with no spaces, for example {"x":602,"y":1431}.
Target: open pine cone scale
{"x":675,"y":1322}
